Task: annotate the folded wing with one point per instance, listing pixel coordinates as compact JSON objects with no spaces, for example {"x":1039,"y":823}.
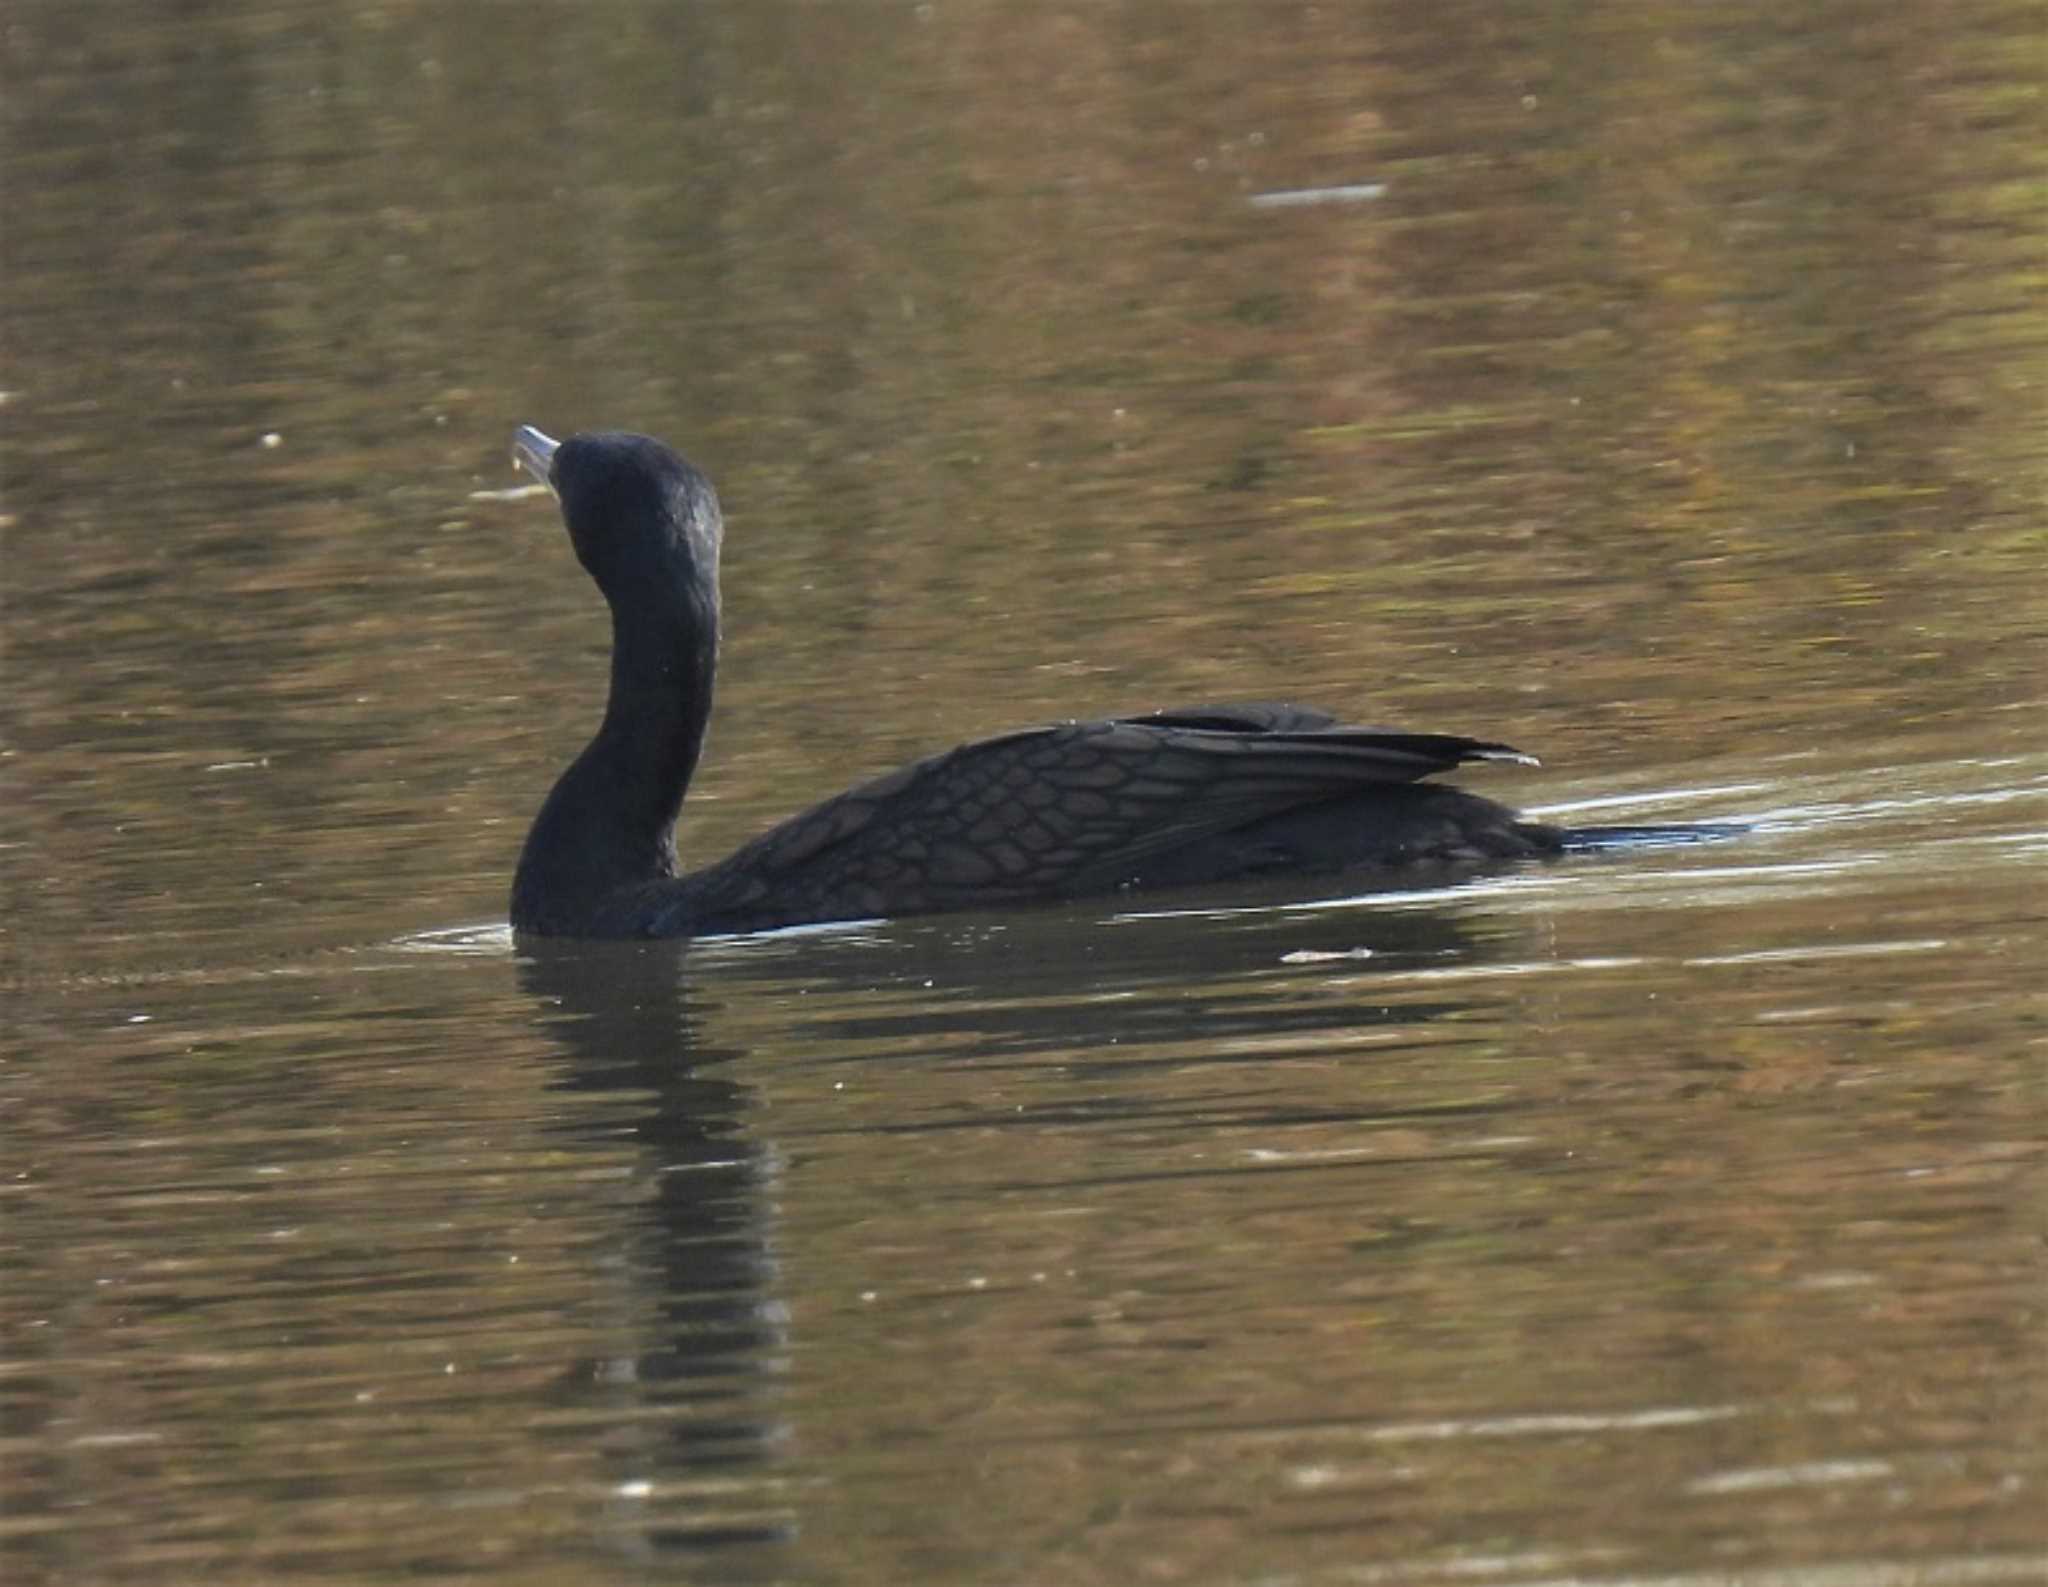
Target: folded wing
{"x":1073,"y":808}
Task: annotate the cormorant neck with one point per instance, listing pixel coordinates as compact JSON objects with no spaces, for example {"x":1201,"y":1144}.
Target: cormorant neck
{"x":609,"y":824}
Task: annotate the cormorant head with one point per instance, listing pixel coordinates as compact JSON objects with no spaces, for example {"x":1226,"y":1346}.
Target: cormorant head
{"x":644,"y":521}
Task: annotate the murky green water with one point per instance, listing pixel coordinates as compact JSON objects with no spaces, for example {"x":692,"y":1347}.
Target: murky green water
{"x":1661,"y":388}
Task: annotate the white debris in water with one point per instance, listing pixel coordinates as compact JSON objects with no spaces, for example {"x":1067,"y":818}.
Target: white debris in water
{"x":510,"y":493}
{"x":1300,"y":197}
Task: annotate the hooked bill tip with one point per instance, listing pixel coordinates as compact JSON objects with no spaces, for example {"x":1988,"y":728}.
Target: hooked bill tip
{"x":534,"y":450}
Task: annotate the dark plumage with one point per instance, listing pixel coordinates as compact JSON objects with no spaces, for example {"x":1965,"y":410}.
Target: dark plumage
{"x":1180,"y":797}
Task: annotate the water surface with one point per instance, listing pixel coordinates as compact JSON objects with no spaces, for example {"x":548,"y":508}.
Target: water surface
{"x":1659,"y":390}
